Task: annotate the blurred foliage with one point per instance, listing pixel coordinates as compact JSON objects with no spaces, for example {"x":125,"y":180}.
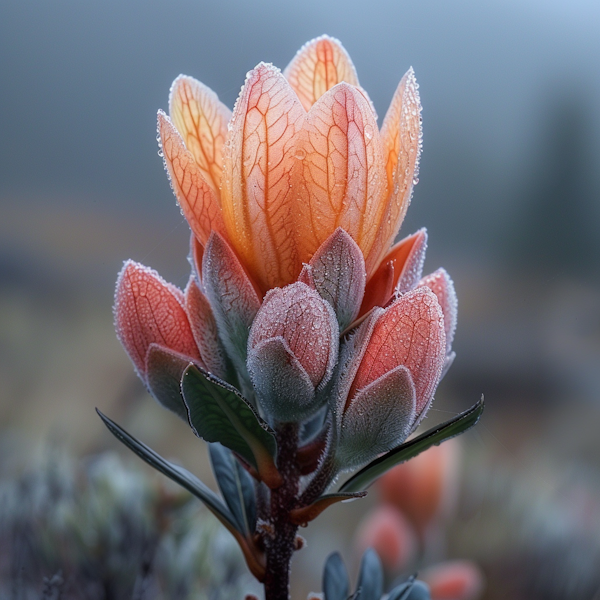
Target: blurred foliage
{"x":100,"y":530}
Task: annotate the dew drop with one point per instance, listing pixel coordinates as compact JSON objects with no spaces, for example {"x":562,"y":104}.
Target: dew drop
{"x":369,"y":132}
{"x":300,"y":154}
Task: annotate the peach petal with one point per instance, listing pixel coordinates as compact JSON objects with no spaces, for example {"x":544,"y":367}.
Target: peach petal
{"x":410,"y":333}
{"x":318,"y":66}
{"x":442,"y":286}
{"x":340,"y":174}
{"x":195,"y":197}
{"x":401,"y":138}
{"x":201,"y":119}
{"x":148,"y":310}
{"x":257,"y":186}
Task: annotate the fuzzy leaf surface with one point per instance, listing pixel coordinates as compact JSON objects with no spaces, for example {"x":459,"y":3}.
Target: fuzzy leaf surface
{"x":433,"y":437}
{"x":217,"y":412}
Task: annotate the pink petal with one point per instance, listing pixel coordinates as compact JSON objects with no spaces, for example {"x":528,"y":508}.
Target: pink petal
{"x":306,"y":322}
{"x":441,"y":285}
{"x":148,"y":310}
{"x":410,"y":333}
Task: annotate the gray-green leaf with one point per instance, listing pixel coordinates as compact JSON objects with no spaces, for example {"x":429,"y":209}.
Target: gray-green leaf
{"x":434,"y":437}
{"x":217,"y":412}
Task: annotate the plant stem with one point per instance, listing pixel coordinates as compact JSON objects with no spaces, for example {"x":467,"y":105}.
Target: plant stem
{"x":280,"y":545}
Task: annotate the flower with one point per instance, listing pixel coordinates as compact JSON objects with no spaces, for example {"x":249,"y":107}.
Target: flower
{"x":297,"y":296}
{"x":300,"y":156}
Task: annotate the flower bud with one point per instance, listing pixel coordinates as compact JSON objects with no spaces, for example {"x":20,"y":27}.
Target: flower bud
{"x":391,"y":372}
{"x":292,"y":349}
{"x":152,"y":325}
{"x":148,"y":310}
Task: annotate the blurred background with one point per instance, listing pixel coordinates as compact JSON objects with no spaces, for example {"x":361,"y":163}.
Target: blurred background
{"x":509,"y":191}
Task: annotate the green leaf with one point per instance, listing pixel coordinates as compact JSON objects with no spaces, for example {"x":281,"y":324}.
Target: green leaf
{"x":236,"y":486}
{"x":178,"y":474}
{"x":336,"y":585}
{"x":434,"y":437}
{"x":217,"y":412}
{"x":370,"y":578}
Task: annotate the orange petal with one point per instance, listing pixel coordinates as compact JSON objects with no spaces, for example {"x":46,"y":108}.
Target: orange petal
{"x":401,"y":141}
{"x":341,"y":177}
{"x":410,"y":333}
{"x":148,"y":310}
{"x":257,"y":192}
{"x":399,"y":271}
{"x":201,"y":119}
{"x":195,"y":196}
{"x":318,"y":66}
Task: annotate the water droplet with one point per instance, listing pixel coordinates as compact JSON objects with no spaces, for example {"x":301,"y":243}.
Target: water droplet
{"x":368,"y":132}
{"x":300,"y":154}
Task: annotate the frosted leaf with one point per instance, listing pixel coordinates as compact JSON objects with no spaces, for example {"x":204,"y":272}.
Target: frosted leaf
{"x":232,"y":296}
{"x":338,"y":273}
{"x":378,"y":418}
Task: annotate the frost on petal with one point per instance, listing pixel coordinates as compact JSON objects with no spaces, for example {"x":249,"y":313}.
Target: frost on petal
{"x":232,"y":296}
{"x":318,"y":66}
{"x":284,"y":389}
{"x":201,"y":119}
{"x":410,"y":333}
{"x":340,"y":177}
{"x":401,"y":138}
{"x":378,"y":417}
{"x":164,"y":371}
{"x":257,"y":186}
{"x":338,"y":274}
{"x":195,"y":197}
{"x":442,"y":286}
{"x":306,"y":322}
{"x":204,"y":328}
{"x":148,"y":310}
{"x":399,"y":271}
